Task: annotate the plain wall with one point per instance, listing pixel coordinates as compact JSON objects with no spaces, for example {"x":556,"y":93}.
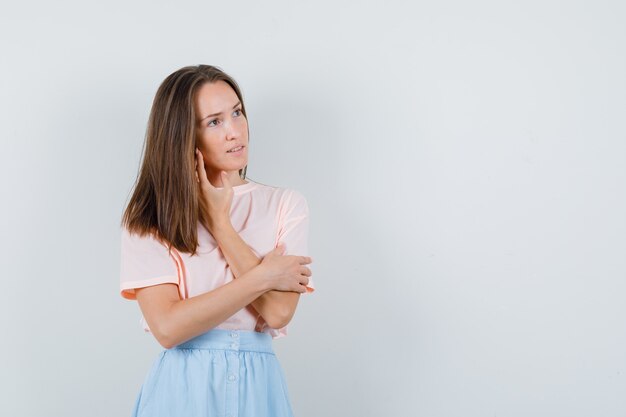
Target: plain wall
{"x":465,"y":167}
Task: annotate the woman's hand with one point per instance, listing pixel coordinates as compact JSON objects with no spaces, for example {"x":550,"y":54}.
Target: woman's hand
{"x":285,"y":272}
{"x":214,"y":204}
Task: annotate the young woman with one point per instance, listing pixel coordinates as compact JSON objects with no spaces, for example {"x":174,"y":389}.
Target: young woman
{"x":216,"y":262}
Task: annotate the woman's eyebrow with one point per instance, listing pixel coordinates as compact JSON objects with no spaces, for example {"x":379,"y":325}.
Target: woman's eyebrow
{"x":216,"y":114}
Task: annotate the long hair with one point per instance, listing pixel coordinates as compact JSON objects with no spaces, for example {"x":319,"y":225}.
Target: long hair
{"x":164,"y":202}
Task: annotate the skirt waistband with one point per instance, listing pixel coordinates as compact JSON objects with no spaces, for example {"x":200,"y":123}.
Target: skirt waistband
{"x":237,"y":340}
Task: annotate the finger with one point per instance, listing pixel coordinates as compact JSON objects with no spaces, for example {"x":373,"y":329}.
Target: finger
{"x":306,"y":259}
{"x":202,"y":172}
{"x":225,"y":181}
{"x":305,"y":271}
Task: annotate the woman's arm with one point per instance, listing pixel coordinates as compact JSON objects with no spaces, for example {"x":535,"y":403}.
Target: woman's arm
{"x":276,"y":307}
{"x":173,"y":321}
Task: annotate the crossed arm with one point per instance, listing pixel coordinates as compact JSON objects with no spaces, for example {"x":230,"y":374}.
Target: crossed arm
{"x":276,"y":307}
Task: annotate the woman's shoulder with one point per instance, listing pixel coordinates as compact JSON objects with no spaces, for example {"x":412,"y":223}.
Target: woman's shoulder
{"x":285,"y":194}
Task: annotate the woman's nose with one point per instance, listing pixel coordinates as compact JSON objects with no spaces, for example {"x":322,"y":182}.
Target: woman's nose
{"x":232,"y":131}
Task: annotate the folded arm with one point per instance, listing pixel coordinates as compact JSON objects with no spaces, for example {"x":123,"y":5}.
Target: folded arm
{"x":276,"y":307}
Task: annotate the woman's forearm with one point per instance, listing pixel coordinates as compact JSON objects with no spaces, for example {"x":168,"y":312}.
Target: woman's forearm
{"x":276,"y":307}
{"x":184,"y":319}
{"x":238,"y":254}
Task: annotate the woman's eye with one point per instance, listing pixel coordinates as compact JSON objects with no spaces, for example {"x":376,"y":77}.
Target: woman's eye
{"x":238,"y":111}
{"x":214,"y":120}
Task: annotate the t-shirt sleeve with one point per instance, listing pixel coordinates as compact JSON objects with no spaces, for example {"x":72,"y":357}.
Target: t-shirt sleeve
{"x":293,"y":231}
{"x":145,"y":261}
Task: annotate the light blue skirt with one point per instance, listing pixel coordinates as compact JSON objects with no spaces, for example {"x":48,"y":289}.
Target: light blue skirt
{"x":220,"y":373}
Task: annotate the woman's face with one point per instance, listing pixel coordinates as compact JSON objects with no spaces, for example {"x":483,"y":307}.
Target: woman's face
{"x":220,"y":127}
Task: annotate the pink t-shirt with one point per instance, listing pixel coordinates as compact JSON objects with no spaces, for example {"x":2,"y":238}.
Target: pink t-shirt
{"x":263,"y":216}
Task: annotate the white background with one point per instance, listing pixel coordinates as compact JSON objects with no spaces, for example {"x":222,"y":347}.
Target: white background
{"x":464,"y":163}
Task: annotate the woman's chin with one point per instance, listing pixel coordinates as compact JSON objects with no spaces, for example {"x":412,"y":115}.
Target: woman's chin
{"x":237,"y":167}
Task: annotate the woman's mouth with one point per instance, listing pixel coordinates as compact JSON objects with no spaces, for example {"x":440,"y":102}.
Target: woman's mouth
{"x":237,"y":151}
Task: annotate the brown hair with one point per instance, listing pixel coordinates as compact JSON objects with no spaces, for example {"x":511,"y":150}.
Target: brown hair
{"x":164,"y":202}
